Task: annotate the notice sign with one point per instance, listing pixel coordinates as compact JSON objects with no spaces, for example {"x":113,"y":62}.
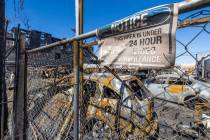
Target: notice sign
{"x":143,"y":40}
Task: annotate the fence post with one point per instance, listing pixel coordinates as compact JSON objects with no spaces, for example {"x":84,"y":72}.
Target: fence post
{"x":19,"y":106}
{"x":76,"y":52}
{"x":2,"y":69}
{"x":78,"y":64}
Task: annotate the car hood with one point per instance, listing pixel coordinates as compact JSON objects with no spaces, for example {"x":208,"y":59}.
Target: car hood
{"x":161,"y":91}
{"x":203,"y":88}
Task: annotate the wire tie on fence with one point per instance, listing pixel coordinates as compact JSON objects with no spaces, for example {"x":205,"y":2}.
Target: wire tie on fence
{"x":88,"y":45}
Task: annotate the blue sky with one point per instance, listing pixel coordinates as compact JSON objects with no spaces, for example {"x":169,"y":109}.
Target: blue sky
{"x":58,"y":18}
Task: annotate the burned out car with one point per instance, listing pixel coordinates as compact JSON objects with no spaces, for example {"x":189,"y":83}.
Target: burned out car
{"x":179,"y":89}
{"x":202,"y":88}
{"x":193,"y":96}
{"x":171,"y":87}
{"x":118,"y":108}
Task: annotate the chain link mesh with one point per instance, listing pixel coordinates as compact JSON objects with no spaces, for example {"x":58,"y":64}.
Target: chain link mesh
{"x":49,"y":98}
{"x":120,"y":103}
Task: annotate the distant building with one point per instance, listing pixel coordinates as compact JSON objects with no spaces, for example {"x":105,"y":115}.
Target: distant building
{"x":55,"y":56}
{"x":10,"y":47}
{"x":203,"y":65}
{"x":35,"y":38}
{"x":62,"y":55}
{"x":10,"y":53}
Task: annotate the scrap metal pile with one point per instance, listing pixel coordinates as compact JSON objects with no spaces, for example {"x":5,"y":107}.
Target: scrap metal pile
{"x":115,"y":106}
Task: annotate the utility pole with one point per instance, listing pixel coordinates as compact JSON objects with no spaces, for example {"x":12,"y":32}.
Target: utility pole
{"x":2,"y":48}
{"x":78,"y":60}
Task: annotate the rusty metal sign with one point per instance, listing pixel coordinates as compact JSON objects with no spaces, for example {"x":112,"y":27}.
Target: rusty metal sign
{"x":143,"y":40}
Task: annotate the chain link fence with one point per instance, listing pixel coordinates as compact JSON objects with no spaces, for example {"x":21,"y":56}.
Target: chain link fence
{"x":150,"y":104}
{"x":49,"y":94}
{"x":119,"y":103}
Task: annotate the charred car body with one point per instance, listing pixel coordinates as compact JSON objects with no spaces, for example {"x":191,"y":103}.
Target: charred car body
{"x":118,"y":109}
{"x":178,"y":88}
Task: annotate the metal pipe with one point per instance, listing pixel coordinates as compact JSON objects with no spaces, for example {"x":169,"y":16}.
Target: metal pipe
{"x":2,"y":68}
{"x":63,"y":42}
{"x":4,"y":111}
{"x":83,"y":108}
{"x":76,"y":90}
{"x":183,"y":7}
{"x":17,"y":30}
{"x":193,"y":22}
{"x":19,"y":104}
{"x":76,"y":46}
{"x":88,"y":45}
{"x":191,"y":5}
